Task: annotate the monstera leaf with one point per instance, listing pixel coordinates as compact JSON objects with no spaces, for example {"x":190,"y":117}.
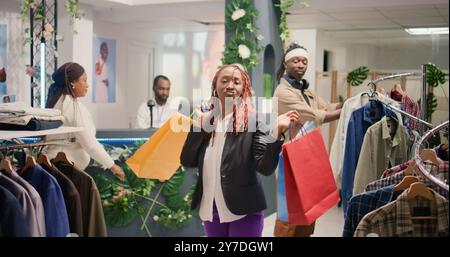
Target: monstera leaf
{"x":435,"y":76}
{"x":357,"y":76}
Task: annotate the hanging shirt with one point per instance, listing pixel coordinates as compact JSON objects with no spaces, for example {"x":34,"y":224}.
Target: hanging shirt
{"x":56,"y":220}
{"x":440,"y":172}
{"x":364,"y":203}
{"x":86,"y":145}
{"x":35,"y":197}
{"x":360,"y":120}
{"x":338,"y":147}
{"x":395,"y":219}
{"x":396,"y":169}
{"x":91,"y":206}
{"x":212,"y":186}
{"x":12,"y":220}
{"x":25,"y":202}
{"x":71,"y":199}
{"x":379,"y":151}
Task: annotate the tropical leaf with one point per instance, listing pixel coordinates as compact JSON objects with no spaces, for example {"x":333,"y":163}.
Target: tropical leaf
{"x":119,"y":218}
{"x":103,"y":185}
{"x":435,"y":76}
{"x":357,"y":76}
{"x":174,"y":185}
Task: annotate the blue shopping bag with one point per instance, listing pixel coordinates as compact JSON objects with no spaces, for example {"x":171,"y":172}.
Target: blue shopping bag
{"x":282,"y":213}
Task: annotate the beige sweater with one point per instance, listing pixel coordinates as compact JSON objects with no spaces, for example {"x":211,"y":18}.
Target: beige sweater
{"x":290,"y":98}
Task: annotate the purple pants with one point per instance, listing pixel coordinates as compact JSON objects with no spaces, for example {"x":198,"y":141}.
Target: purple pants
{"x":249,"y":226}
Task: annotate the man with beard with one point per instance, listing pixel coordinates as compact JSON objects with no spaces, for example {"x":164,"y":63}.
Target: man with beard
{"x":159,"y":105}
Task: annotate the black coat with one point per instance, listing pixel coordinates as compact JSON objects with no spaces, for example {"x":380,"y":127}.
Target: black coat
{"x":244,"y":154}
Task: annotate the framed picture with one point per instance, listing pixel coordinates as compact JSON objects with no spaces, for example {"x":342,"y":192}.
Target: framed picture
{"x":3,"y":60}
{"x":104,"y":82}
{"x":7,"y":98}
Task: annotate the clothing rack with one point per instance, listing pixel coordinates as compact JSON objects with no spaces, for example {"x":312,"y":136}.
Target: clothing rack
{"x":36,"y":144}
{"x":7,"y":148}
{"x":420,"y":163}
{"x":395,"y":109}
{"x":373,"y":88}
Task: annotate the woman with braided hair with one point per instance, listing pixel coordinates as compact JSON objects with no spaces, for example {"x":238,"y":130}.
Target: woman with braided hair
{"x":229,"y":146}
{"x":70,"y":83}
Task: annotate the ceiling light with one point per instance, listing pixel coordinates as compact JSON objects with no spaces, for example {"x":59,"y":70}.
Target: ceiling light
{"x":427,"y":31}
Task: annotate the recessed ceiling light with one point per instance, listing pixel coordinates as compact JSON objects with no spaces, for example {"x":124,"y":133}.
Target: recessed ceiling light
{"x":427,"y":31}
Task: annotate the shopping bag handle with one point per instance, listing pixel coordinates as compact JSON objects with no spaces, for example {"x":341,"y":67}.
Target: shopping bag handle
{"x":298,"y":125}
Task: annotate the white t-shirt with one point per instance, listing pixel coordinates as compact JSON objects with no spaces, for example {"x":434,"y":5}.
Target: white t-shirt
{"x":161,"y":113}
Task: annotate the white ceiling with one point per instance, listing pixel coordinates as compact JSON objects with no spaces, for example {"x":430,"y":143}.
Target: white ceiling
{"x":361,"y":20}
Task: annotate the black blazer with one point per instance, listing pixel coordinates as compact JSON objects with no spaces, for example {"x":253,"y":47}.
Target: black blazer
{"x":244,"y":154}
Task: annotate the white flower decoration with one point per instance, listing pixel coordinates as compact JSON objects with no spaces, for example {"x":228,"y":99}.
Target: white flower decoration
{"x":239,"y":13}
{"x":244,"y":51}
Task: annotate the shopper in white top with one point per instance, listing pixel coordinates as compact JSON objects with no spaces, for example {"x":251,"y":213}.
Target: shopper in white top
{"x":229,"y":145}
{"x":70,"y":84}
{"x":162,"y":109}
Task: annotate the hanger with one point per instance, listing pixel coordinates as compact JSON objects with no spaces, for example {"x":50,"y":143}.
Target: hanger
{"x":405,"y":183}
{"x":61,"y":157}
{"x":5,"y":165}
{"x":419,"y":189}
{"x":430,"y":155}
{"x":398,"y":88}
{"x":43,"y":160}
{"x":30,"y":162}
{"x":410,"y":170}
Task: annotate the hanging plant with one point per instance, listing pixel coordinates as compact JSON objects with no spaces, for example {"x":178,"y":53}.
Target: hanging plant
{"x":284,"y":5}
{"x":72,"y":7}
{"x":75,"y":13}
{"x":241,"y":48}
{"x":357,"y":76}
{"x":435,"y":78}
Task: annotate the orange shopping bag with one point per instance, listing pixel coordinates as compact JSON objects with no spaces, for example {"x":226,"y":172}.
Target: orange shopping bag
{"x":310,"y":186}
{"x":159,"y":157}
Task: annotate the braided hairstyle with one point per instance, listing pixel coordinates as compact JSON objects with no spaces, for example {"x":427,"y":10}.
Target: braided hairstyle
{"x":291,"y":47}
{"x":240,"y":110}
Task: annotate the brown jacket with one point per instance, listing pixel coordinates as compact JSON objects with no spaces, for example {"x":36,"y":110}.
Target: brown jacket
{"x":290,"y":98}
{"x":71,"y":199}
{"x":91,"y":206}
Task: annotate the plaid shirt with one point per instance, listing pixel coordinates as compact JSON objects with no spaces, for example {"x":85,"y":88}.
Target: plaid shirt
{"x":441,"y":173}
{"x":412,"y":108}
{"x":364,"y":203}
{"x":395,"y":220}
{"x":396,"y":169}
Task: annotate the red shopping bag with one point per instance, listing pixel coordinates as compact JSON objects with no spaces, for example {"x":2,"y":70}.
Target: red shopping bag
{"x":310,"y":186}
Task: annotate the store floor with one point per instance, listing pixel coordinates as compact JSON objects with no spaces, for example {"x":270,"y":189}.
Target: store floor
{"x":328,"y":225}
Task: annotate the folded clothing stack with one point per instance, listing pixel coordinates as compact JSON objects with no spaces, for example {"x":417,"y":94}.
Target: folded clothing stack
{"x":18,"y":116}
